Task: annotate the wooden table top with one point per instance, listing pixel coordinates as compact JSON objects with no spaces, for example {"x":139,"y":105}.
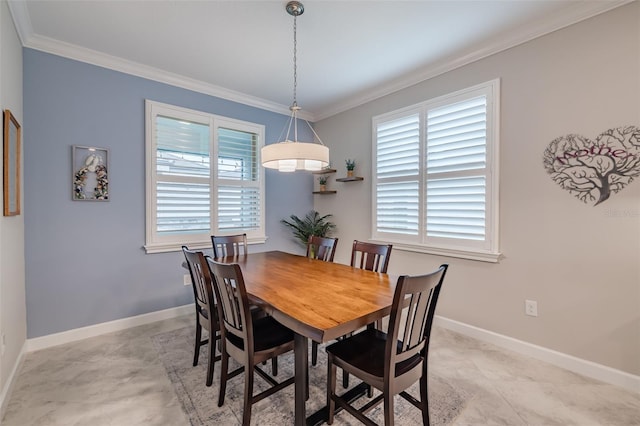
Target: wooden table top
{"x":319,"y":300}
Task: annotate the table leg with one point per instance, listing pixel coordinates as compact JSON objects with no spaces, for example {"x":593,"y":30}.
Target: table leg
{"x":301,"y":354}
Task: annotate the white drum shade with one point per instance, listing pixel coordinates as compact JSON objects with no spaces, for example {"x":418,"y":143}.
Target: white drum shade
{"x":290,"y":156}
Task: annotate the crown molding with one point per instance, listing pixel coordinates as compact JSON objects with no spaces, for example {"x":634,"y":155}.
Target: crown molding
{"x":21,"y":18}
{"x":524,"y":34}
{"x":568,"y":16}
{"x":100,"y":59}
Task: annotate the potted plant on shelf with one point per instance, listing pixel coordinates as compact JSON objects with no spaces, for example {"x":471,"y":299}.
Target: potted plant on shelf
{"x":323,"y":182}
{"x":311,"y":224}
{"x":351,"y":164}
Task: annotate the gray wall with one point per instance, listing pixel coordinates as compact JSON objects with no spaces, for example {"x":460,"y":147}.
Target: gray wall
{"x":580,"y":262}
{"x":84,"y":260}
{"x":13,"y":325}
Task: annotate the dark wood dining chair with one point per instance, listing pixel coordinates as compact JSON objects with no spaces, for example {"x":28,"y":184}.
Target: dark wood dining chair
{"x":390,"y":362}
{"x":370,"y":256}
{"x":229,"y":245}
{"x":321,"y":248}
{"x":233,"y":246}
{"x":206,"y":311}
{"x":246,"y":340}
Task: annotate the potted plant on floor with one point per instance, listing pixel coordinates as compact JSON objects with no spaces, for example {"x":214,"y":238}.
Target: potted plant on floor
{"x":311,"y":224}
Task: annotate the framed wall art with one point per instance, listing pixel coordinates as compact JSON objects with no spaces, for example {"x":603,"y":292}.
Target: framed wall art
{"x":11,"y":164}
{"x":90,"y":173}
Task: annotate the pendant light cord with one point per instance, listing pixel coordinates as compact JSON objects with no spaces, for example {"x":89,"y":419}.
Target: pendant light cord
{"x":294,"y":11}
{"x":295,"y":62}
{"x":294,"y":106}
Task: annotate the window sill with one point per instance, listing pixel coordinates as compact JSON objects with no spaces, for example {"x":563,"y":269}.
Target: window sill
{"x":480,"y":256}
{"x":193,"y":245}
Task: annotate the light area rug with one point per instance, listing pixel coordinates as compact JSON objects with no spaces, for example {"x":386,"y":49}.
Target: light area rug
{"x":175,"y":349}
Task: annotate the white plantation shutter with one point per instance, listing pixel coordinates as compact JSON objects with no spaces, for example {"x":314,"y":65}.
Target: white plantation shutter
{"x":182,"y":169}
{"x":457,"y":144}
{"x":398,"y":169}
{"x":457,"y":136}
{"x":237,"y":155}
{"x":456,"y":208}
{"x":435,"y":175}
{"x":190,"y":197}
{"x":183,"y":207}
{"x":398,"y":208}
{"x":238,"y":208}
{"x":239,"y":198}
{"x":398,"y":147}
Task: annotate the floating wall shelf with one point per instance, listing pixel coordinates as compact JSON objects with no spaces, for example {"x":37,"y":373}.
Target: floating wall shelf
{"x":324,"y":172}
{"x":349,"y":179}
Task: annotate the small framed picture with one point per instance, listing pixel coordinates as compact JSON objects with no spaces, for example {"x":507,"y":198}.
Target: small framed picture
{"x":90,"y":173}
{"x":11,"y":164}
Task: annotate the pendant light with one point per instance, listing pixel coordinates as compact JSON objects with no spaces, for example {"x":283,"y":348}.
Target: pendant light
{"x":290,"y":154}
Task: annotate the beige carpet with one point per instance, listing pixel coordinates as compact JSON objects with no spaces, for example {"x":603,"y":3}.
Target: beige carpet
{"x":175,"y":349}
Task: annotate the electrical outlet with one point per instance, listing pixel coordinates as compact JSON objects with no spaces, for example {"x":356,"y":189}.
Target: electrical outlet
{"x":531,"y":308}
{"x":186,"y":279}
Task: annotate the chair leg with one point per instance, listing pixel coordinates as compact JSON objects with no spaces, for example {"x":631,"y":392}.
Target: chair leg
{"x":424,"y":400}
{"x":388,"y":408}
{"x":224,"y":365}
{"x":248,"y":394}
{"x":212,"y":358}
{"x":274,"y":366}
{"x":345,"y":379}
{"x":331,"y":389}
{"x":196,"y":350}
{"x":314,"y":353}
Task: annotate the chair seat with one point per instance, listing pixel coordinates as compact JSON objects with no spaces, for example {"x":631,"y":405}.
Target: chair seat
{"x":267,"y":333}
{"x":371,"y":360}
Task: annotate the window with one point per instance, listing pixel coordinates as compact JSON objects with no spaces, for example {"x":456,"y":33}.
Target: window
{"x":189,"y":196}
{"x":436,"y":175}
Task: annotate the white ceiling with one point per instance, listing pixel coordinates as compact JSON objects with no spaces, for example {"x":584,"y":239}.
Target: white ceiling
{"x":349,"y":52}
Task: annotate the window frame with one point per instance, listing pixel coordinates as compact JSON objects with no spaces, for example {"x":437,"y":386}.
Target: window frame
{"x":486,"y":250}
{"x":155,"y":243}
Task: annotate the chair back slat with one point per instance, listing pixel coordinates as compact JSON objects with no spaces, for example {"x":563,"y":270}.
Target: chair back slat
{"x":370,"y":256}
{"x":200,"y":279}
{"x":233,"y":301}
{"x":321,"y":248}
{"x":229,"y":245}
{"x":419,"y":321}
{"x":417,"y":295}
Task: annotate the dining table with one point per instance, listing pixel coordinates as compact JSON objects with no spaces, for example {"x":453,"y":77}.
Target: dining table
{"x":317,"y":300}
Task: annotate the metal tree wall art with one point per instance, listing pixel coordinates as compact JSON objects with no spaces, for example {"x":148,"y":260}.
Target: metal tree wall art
{"x":593,"y":170}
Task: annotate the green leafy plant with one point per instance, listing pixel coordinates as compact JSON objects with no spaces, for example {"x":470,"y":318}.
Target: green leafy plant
{"x":311,"y":224}
{"x":323,"y":179}
{"x":351,"y":164}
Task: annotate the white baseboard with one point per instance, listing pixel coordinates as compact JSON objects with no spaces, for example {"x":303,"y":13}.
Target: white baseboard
{"x":568,"y":362}
{"x":8,"y":387}
{"x":74,"y":335}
